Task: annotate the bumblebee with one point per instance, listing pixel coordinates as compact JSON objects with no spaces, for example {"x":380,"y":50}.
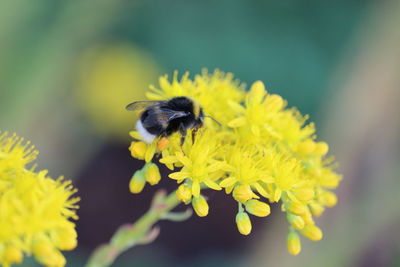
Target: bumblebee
{"x":163,"y":118}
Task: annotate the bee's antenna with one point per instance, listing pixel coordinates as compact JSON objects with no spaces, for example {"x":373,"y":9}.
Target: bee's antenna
{"x":213,"y":120}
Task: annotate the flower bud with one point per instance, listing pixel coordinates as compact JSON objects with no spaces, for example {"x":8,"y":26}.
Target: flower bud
{"x":295,"y":221}
{"x":138,"y":150}
{"x":293,"y":243}
{"x":321,"y":148}
{"x":54,"y":258}
{"x":296,"y":208}
{"x":42,"y":248}
{"x":257,"y":91}
{"x":200,"y":206}
{"x":275,"y":102}
{"x":184,"y":193}
{"x":306,"y":147}
{"x":243,"y":223}
{"x":242,"y":193}
{"x":137,"y":182}
{"x":152,"y":173}
{"x":316,"y":209}
{"x":257,"y":208}
{"x":305,"y":194}
{"x":307,"y":217}
{"x":312,"y":232}
{"x":66,"y":239}
{"x":12,"y":255}
{"x":328,"y":199}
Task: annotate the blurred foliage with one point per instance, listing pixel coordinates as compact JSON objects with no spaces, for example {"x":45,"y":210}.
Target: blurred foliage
{"x":291,"y":45}
{"x":110,"y":77}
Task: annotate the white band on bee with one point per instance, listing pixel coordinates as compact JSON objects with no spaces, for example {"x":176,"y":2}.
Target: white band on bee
{"x":146,"y":136}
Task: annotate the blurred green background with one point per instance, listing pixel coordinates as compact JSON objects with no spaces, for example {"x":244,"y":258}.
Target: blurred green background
{"x":68,"y":68}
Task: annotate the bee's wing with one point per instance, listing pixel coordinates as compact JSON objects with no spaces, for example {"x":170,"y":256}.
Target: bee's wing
{"x":140,"y":105}
{"x":162,"y":116}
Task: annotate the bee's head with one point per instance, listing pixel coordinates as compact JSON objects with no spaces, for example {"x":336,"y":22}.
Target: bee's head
{"x":200,"y":118}
{"x":198,"y":114}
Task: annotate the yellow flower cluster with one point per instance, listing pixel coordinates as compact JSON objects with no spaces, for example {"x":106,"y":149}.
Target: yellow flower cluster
{"x":34,"y":209}
{"x":263,"y":152}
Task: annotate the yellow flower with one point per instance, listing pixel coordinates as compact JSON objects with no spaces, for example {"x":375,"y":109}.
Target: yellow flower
{"x":199,"y":161}
{"x":35,"y":210}
{"x":263,"y":152}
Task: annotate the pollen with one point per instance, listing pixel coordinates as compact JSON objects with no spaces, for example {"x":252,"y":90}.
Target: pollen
{"x":162,"y":143}
{"x":263,"y":151}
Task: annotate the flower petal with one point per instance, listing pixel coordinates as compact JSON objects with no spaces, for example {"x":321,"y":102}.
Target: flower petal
{"x":227,"y":182}
{"x":261,"y":190}
{"x":151,"y":150}
{"x":169,"y":160}
{"x":211,"y":184}
{"x":236,"y":106}
{"x":196,"y":189}
{"x":238,"y":122}
{"x":179,"y":175}
{"x":183,"y":159}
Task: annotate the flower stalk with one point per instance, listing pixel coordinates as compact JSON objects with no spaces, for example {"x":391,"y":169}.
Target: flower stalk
{"x":139,"y":233}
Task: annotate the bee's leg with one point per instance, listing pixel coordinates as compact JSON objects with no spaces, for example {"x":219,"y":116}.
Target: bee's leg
{"x":194,"y":132}
{"x":182,"y":131}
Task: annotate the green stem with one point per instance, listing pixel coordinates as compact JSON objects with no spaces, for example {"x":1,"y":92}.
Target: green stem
{"x":140,"y":232}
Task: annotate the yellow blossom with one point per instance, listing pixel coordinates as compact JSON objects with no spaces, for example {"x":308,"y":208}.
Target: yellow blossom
{"x":261,"y":152}
{"x":35,"y":210}
{"x":198,"y":159}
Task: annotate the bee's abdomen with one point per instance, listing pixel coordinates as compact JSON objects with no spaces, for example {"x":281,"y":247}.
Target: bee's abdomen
{"x":148,"y":126}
